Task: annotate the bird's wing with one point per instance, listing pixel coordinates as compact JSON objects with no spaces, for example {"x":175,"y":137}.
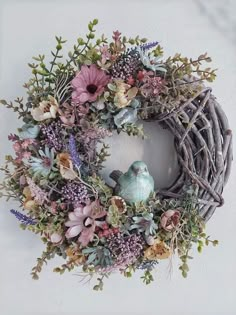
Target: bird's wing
{"x":116,"y":175}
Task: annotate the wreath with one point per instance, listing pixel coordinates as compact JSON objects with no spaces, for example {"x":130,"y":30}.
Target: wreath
{"x":73,"y":104}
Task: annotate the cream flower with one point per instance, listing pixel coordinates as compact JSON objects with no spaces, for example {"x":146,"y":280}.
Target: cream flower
{"x":124,"y":94}
{"x":159,"y":250}
{"x":66,"y":166}
{"x":46,"y":110}
{"x":29,"y":203}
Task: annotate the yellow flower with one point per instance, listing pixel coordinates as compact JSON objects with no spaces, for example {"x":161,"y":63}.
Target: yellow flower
{"x":66,"y":166}
{"x":159,"y":250}
{"x":75,"y":255}
{"x":124,"y":94}
{"x":29,"y":202}
{"x":46,"y":110}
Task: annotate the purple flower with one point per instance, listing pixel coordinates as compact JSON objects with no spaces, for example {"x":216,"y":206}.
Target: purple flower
{"x":75,"y":192}
{"x":148,"y":46}
{"x":73,"y":152}
{"x":13,"y":137}
{"x":24,"y":219}
{"x":125,"y":250}
{"x":126,"y":65}
{"x":53,"y":135}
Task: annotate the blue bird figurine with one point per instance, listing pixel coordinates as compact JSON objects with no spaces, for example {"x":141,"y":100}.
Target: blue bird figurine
{"x":135,"y":185}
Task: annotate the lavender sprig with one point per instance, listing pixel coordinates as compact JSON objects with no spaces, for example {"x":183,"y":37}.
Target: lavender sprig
{"x":148,"y":46}
{"x":148,"y":265}
{"x":24,"y":219}
{"x":73,"y":152}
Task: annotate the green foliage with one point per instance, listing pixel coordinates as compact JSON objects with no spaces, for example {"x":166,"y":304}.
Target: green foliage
{"x":181,"y":66}
{"x":102,"y":156}
{"x":128,"y":272}
{"x":158,"y":51}
{"x":99,"y":286}
{"x":147,"y":277}
{"x":102,"y":189}
{"x":48,"y":254}
{"x":98,"y":256}
{"x":134,"y":130}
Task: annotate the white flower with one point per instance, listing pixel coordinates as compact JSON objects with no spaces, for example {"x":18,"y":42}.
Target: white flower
{"x":66,"y":166}
{"x":46,"y":110}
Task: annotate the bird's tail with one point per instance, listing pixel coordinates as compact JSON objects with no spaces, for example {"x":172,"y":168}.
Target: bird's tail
{"x":115,"y":175}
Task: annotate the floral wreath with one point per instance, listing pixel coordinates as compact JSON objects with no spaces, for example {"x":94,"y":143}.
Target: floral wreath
{"x":73,"y":104}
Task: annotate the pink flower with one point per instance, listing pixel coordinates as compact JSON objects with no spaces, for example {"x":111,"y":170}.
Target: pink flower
{"x":83,"y":221}
{"x":27,"y":142}
{"x":55,"y":238}
{"x":105,"y":54}
{"x":152,"y":85}
{"x":26,"y":155}
{"x":67,"y":115}
{"x":17,"y":146}
{"x":170,"y":219}
{"x":88,"y":84}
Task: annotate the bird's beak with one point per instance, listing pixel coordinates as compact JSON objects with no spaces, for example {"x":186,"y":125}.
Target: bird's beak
{"x":137,"y":172}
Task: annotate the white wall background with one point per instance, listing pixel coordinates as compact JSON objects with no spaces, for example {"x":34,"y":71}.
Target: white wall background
{"x":187,"y":26}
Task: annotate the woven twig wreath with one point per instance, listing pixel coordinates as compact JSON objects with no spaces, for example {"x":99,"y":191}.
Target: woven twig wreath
{"x":204,"y":146}
{"x":75,"y":103}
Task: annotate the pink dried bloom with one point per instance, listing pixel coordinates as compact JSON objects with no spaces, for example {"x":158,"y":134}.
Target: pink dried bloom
{"x":55,"y":238}
{"x":26,"y":155}
{"x":88,"y":84}
{"x":22,"y":180}
{"x":152,"y":85}
{"x":25,"y":144}
{"x":105,"y":54}
{"x":116,"y":35}
{"x":37,"y":193}
{"x":67,"y":115}
{"x":17,"y":146}
{"x":83,"y":221}
{"x":21,"y":149}
{"x":170,"y":219}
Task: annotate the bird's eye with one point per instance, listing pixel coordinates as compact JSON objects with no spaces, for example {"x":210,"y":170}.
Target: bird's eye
{"x":145,"y":169}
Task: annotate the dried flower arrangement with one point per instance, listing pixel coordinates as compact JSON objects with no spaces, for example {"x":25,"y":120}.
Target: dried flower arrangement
{"x":100,"y":88}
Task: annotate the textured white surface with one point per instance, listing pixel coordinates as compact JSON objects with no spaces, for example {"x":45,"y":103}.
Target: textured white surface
{"x":190,"y":27}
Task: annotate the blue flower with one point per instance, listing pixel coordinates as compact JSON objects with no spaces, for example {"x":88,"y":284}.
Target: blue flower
{"x":29,"y":131}
{"x":149,"y":61}
{"x":43,"y":165}
{"x":125,"y":116}
{"x":144,"y":223}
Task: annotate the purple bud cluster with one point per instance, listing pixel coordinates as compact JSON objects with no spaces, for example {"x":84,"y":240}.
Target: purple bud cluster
{"x":53,"y":135}
{"x":13,"y":137}
{"x":148,"y":46}
{"x":148,"y":265}
{"x":125,"y":250}
{"x":73,"y":151}
{"x":75,"y":192}
{"x":24,"y":219}
{"x":126,"y":65}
